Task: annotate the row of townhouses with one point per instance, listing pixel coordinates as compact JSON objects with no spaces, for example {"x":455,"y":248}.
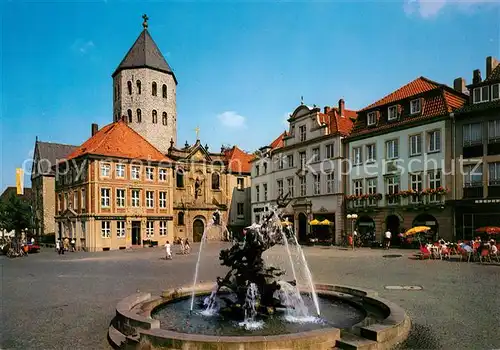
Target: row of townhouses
{"x":426,"y":154}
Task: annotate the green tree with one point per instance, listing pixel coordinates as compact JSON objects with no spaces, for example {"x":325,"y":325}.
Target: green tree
{"x":15,"y":215}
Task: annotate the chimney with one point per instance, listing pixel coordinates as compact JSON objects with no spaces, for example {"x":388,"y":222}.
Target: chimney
{"x":459,"y":85}
{"x":491,"y":63}
{"x":326,"y":109}
{"x":341,"y":107}
{"x":95,"y":127}
{"x":476,"y":76}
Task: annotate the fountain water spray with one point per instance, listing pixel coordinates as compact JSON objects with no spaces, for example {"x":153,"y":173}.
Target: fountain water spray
{"x":210,"y":303}
{"x":203,"y":239}
{"x":251,"y":308}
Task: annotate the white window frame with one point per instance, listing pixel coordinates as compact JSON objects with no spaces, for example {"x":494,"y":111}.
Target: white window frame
{"x":330,"y":182}
{"x":483,"y":90}
{"x":162,"y":199}
{"x":392,"y":113}
{"x":150,"y":228}
{"x":163,"y":228}
{"x":162,"y":174}
{"x":279,"y":186}
{"x":136,"y":200}
{"x":105,"y":229}
{"x":416,"y":184}
{"x":415,"y":106}
{"x":288,"y":158}
{"x":467,"y":130}
{"x":394,"y":148}
{"x":135,"y":172}
{"x":280,"y":162}
{"x":415,"y":145}
{"x":303,"y":186}
{"x":494,"y":174}
{"x":105,"y":170}
{"x":120,"y":200}
{"x":357,"y":156}
{"x":434,"y":180}
{"x":357,"y":188}
{"x":434,"y":145}
{"x":316,"y":184}
{"x":120,"y":170}
{"x":150,"y":173}
{"x":371,"y":188}
{"x":240,"y":183}
{"x":302,"y":160}
{"x":371,"y":118}
{"x":316,"y":156}
{"x":469,"y":181}
{"x":105,"y":197}
{"x":303,"y":133}
{"x":371,"y":153}
{"x":150,"y":199}
{"x":393,"y":182}
{"x":329,"y":151}
{"x":497,"y":97}
{"x":290,"y":186}
{"x":120,"y":229}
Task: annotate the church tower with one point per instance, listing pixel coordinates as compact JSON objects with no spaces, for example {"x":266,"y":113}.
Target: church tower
{"x":144,"y":92}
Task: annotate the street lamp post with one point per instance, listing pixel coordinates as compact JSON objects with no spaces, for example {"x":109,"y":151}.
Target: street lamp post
{"x":352,"y":218}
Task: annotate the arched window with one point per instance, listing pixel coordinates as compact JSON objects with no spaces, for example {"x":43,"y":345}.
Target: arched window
{"x":180,"y":219}
{"x":139,"y":116}
{"x":215,"y":181}
{"x":164,"y":118}
{"x":155,"y":116}
{"x":164,"y":90}
{"x":129,"y":114}
{"x":138,"y":86}
{"x":153,"y":90}
{"x":129,"y":86}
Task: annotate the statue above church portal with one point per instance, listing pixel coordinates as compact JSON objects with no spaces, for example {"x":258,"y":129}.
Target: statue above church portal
{"x":197,"y":187}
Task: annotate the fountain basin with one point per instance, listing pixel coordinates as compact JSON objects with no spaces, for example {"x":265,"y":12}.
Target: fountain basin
{"x":386,"y":325}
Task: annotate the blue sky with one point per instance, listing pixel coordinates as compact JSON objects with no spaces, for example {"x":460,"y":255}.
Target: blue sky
{"x":241,"y":66}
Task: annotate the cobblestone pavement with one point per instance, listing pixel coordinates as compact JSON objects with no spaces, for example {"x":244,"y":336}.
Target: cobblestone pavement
{"x":66,"y":302}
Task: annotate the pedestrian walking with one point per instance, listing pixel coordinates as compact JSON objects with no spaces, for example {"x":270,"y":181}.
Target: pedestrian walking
{"x":168,"y":253}
{"x":182,"y":245}
{"x":187,"y":247}
{"x":73,"y":245}
{"x":387,"y":239}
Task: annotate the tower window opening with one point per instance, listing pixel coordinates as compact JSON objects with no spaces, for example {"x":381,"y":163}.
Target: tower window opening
{"x":153,"y":89}
{"x":138,"y":87}
{"x":129,"y":86}
{"x":164,"y":118}
{"x":139,"y":116}
{"x":164,"y":90}
{"x":155,"y":116}
{"x":129,"y":114}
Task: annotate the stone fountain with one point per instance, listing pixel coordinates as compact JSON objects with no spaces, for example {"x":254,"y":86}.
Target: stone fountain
{"x":252,"y":307}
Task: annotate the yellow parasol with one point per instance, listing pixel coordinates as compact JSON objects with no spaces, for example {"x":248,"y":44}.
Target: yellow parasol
{"x":314,"y":222}
{"x":417,"y":229}
{"x":325,"y":222}
{"x":286,"y":223}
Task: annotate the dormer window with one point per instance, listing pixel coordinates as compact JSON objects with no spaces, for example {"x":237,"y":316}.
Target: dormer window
{"x":415,"y":106}
{"x":392,"y":113}
{"x":371,"y":118}
{"x":302,"y":131}
{"x":495,"y":92}
{"x":481,"y":94}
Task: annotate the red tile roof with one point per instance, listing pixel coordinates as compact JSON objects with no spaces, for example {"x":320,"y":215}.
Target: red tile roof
{"x":119,"y":140}
{"x":436,"y":99}
{"x":279,"y":142}
{"x":414,"y":87}
{"x":238,"y":161}
{"x":337,"y":123}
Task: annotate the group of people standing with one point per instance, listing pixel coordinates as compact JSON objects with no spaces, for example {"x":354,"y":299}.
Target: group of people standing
{"x":184,"y":245}
{"x":65,"y":245}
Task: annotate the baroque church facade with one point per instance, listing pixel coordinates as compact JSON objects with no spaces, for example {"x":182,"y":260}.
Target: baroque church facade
{"x":130,"y":183}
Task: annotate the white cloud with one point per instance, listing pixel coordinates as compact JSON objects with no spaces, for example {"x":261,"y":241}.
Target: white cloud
{"x":82,"y":47}
{"x":431,"y":8}
{"x":233,"y":120}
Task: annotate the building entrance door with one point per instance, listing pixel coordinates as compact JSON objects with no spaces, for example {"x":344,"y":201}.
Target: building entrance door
{"x":198,"y":228}
{"x":302,"y":228}
{"x":136,"y":232}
